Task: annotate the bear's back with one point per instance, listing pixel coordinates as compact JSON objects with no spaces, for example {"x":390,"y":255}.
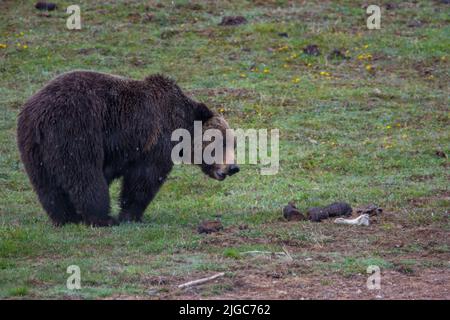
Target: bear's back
{"x":79,"y":93}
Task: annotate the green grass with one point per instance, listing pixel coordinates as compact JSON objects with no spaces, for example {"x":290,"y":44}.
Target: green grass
{"x":356,"y":135}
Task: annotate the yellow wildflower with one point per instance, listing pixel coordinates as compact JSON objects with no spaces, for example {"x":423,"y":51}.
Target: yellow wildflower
{"x":324,"y":73}
{"x":364,"y":56}
{"x":266,"y":70}
{"x":243,"y":75}
{"x":296,"y":80}
{"x":3,"y":46}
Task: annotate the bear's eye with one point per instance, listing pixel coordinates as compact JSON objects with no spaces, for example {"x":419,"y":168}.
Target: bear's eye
{"x":181,"y":153}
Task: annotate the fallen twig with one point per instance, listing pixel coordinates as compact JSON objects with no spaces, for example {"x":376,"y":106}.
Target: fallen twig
{"x":256,"y":252}
{"x":288,"y":254}
{"x":200,"y":281}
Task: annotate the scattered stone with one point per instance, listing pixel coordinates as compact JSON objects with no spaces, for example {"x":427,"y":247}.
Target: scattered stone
{"x":337,"y":54}
{"x":371,"y":210}
{"x":291,"y":213}
{"x":336,"y":209}
{"x":152,"y":292}
{"x":167,"y":34}
{"x":232,"y":21}
{"x":404,"y":269}
{"x":391,"y":6}
{"x":148,"y":17}
{"x":86,"y":51}
{"x":312,"y":50}
{"x":243,"y":227}
{"x":158,"y":281}
{"x":45,"y":6}
{"x":441,"y":154}
{"x":233,"y":56}
{"x":415,"y":24}
{"x":136,"y":62}
{"x":210,"y":226}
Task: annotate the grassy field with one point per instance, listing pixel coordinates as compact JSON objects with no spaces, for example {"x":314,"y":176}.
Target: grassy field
{"x":364,"y":128}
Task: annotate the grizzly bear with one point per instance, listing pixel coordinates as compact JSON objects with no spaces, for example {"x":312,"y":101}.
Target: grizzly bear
{"x":84,"y":129}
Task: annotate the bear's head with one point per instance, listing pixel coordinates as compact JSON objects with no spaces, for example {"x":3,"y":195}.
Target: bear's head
{"x":214,"y":126}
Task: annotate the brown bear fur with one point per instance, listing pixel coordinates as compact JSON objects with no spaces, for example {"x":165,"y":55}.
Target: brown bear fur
{"x":84,"y":129}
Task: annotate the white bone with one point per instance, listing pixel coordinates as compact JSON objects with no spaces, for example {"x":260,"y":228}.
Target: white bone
{"x":362,"y":220}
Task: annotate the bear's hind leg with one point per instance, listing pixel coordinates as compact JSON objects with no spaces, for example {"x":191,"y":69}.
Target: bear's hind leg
{"x":91,"y":200}
{"x":58,"y":206}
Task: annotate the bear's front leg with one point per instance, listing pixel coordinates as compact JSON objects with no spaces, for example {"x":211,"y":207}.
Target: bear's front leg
{"x":139,"y":187}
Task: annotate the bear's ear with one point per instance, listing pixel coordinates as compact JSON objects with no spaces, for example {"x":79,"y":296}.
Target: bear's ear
{"x":202,"y":113}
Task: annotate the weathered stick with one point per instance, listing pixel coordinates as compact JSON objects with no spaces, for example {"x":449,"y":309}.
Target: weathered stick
{"x":200,"y":281}
{"x":256,"y":252}
{"x":362,"y":220}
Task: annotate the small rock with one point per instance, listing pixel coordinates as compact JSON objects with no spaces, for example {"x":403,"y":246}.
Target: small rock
{"x":210,"y":226}
{"x":152,"y":292}
{"x":167,"y":34}
{"x":391,"y":6}
{"x":415,"y":24}
{"x":337,"y":54}
{"x":48,"y":6}
{"x":441,"y":154}
{"x":377,"y":92}
{"x":148,"y":17}
{"x":232,"y":21}
{"x":291,"y":213}
{"x":312,"y":50}
{"x":371,"y":210}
